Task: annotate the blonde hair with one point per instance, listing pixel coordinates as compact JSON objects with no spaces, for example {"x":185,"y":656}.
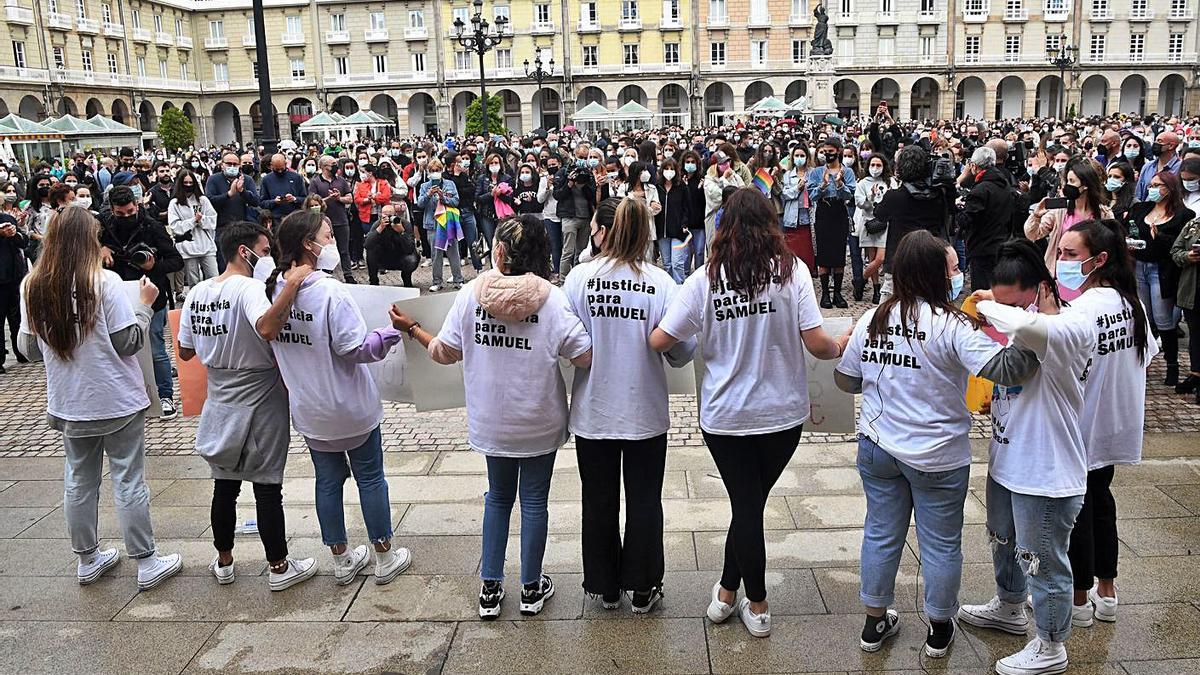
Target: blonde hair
{"x":625,"y":241}
{"x":434,"y":164}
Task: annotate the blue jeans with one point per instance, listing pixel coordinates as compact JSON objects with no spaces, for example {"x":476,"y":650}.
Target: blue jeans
{"x":366,"y":464}
{"x":856,"y":261}
{"x":487,"y":226}
{"x":674,"y":257}
{"x":158,"y":348}
{"x":1030,"y":536}
{"x":508,"y":476}
{"x":895,"y":491}
{"x":470,"y":234}
{"x":960,"y":247}
{"x":1165,"y":314}
{"x":554,"y":231}
{"x":695,"y":259}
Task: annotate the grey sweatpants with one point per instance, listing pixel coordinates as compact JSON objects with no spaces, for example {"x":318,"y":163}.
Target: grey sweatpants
{"x":126,"y":451}
{"x":576,"y":237}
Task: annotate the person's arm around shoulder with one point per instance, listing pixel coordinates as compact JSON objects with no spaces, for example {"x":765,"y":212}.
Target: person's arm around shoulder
{"x":272,"y":321}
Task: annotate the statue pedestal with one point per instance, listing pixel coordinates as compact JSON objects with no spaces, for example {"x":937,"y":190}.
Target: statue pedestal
{"x":820,"y":85}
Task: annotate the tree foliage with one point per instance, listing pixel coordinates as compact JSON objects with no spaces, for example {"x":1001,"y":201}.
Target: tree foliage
{"x":175,"y":130}
{"x":495,"y":123}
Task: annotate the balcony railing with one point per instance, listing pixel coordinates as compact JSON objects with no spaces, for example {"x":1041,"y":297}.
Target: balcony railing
{"x":542,"y":28}
{"x":183,"y":41}
{"x":88,"y":26}
{"x":381,"y":34}
{"x":586,"y":26}
{"x":1055,"y":13}
{"x":141,"y":35}
{"x":359,"y":79}
{"x":13,"y":74}
{"x":1157,"y":58}
{"x":248,"y":41}
{"x":417,"y":33}
{"x":22,"y":15}
{"x":759,"y":21}
{"x":669,"y":23}
{"x":1015,"y":14}
{"x":292,"y":39}
{"x":887,"y":18}
{"x":216,"y":42}
{"x":718,"y":21}
{"x":931,"y":16}
{"x":163,"y":38}
{"x":629,"y":24}
{"x":976,"y":14}
{"x":798,"y":20}
{"x":1101,"y":14}
{"x":113,"y":30}
{"x":847,"y":19}
{"x":1141,"y":14}
{"x":337,"y":37}
{"x":59,"y":21}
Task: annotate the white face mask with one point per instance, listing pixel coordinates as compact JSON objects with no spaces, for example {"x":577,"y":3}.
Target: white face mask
{"x":263,"y":267}
{"x":876,"y":171}
{"x":613,"y":175}
{"x":526,"y":177}
{"x":669,"y":174}
{"x":85,"y":202}
{"x":328,"y":258}
{"x":494,"y":168}
{"x":644,"y":176}
{"x":349,"y":173}
{"x":626,"y":160}
{"x":1059,"y":166}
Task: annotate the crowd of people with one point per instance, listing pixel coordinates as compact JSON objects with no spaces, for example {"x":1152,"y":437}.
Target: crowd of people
{"x":626,"y":253}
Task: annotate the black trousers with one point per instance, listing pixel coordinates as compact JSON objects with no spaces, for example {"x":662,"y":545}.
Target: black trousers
{"x":981,"y":271}
{"x":636,"y":564}
{"x":1193,"y":322}
{"x":749,"y":467}
{"x":10,"y":311}
{"x":268,"y":502}
{"x":1093,"y":550}
{"x":357,"y":237}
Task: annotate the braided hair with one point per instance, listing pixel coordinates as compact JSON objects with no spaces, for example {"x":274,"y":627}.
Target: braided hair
{"x":293,"y":235}
{"x":1020,"y":263}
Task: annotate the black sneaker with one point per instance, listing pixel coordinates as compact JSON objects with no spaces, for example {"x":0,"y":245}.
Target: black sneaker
{"x":860,"y":285}
{"x":535,"y":595}
{"x":941,"y":634}
{"x":645,"y":601}
{"x":490,"y":597}
{"x":879,"y":628}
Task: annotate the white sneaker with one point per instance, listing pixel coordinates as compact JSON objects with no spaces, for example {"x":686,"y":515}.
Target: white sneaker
{"x":391,"y":564}
{"x":164,"y":567}
{"x":224,"y":575}
{"x":434,"y":288}
{"x":168,"y":408}
{"x":759,"y":625}
{"x":425,"y":262}
{"x":296,"y":572}
{"x":1081,"y":615}
{"x":1005,"y":616}
{"x":1106,"y":608}
{"x":102,"y":561}
{"x":347,"y":565}
{"x":718,"y":611}
{"x":1037,"y":658}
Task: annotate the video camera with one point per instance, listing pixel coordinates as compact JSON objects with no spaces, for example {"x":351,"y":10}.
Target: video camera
{"x":941,"y":169}
{"x":135,"y":254}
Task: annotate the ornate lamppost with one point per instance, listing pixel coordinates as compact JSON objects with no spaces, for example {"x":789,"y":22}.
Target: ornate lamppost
{"x":480,"y":40}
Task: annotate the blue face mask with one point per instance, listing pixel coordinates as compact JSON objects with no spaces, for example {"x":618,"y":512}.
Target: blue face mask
{"x":593,"y":162}
{"x":1113,"y":184}
{"x":1132,"y":153}
{"x":690,"y":167}
{"x":956,"y":286}
{"x":1070,"y":274}
{"x":1030,"y":170}
{"x":1154,"y":194}
{"x":1194,"y":143}
{"x":137,"y":191}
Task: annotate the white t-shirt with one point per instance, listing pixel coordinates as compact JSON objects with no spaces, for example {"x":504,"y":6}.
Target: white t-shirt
{"x":1114,"y":394}
{"x":516,"y":397}
{"x":624,"y":394}
{"x":218,"y":321}
{"x":97,"y":383}
{"x":331,"y":398}
{"x":914,"y":386}
{"x":755,"y":380}
{"x":1037,"y":444}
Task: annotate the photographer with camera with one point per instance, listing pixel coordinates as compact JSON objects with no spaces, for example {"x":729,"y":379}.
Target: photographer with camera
{"x":575,"y":191}
{"x":921,"y":203}
{"x":985,"y":220}
{"x":134,"y":246}
{"x":391,"y":245}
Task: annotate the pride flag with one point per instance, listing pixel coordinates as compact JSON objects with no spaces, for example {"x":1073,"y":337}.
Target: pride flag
{"x":764,"y":181}
{"x":449,"y":226}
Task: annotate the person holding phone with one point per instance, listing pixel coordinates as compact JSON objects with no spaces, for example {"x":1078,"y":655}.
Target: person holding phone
{"x":1082,"y":199}
{"x":192,"y":219}
{"x":438,"y":191}
{"x":12,"y":269}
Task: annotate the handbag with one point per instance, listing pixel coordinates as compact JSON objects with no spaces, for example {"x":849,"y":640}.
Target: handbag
{"x":875,"y":226}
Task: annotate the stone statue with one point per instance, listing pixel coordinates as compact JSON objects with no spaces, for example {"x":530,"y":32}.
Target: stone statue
{"x":821,"y":46}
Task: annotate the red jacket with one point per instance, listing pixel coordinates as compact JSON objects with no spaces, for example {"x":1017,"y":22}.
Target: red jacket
{"x":364,"y":200}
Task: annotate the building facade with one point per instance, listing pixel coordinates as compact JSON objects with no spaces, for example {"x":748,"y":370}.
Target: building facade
{"x":686,"y":60}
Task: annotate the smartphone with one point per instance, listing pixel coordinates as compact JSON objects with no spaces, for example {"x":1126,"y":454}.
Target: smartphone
{"x":1196,"y":247}
{"x":1057,"y":203}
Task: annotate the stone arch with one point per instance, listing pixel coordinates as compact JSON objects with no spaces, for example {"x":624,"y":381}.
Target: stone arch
{"x":969,"y":99}
{"x":120,"y":111}
{"x":93,"y":107}
{"x":757,"y":91}
{"x":547,"y":109}
{"x":167,"y":105}
{"x":1010,"y":97}
{"x":458,"y":109}
{"x":147,"y":116}
{"x":591,"y":95}
{"x":632,"y":92}
{"x":3,"y":108}
{"x":189,"y":111}
{"x":886,"y":89}
{"x":925,"y":99}
{"x":1093,"y":96}
{"x":1048,"y":97}
{"x":510,"y":110}
{"x":795,"y":90}
{"x":673,"y":105}
{"x":299,"y":110}
{"x":227,"y":123}
{"x":1133,"y":95}
{"x":31,"y":109}
{"x":66,"y":106}
{"x":1171,"y":93}
{"x":845,"y":96}
{"x":422,"y":114}
{"x":344,"y":105}
{"x":385,"y":105}
{"x":718,"y":97}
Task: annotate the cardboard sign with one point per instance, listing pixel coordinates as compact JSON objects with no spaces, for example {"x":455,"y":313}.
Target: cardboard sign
{"x":832,"y":408}
{"x":145,"y":358}
{"x":193,"y":377}
{"x":374,"y":303}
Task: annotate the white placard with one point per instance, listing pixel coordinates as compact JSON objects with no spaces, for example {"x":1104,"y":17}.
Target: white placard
{"x":145,"y":358}
{"x":832,"y":408}
{"x":437,"y":387}
{"x":374,"y":302}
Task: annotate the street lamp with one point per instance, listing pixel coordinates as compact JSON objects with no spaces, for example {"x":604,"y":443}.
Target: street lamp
{"x":481,"y":41}
{"x":270,"y":132}
{"x":539,"y":74}
{"x":1066,"y":56}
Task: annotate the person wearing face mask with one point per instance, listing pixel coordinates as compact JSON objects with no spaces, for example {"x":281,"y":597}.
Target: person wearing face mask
{"x":391,"y":245}
{"x":727,"y":170}
{"x":37,"y":214}
{"x":322,"y":354}
{"x":459,"y":169}
{"x":525,"y":189}
{"x":1085,"y":201}
{"x":309,"y":168}
{"x":244,"y":427}
{"x":867,"y":194}
{"x":1186,"y":254}
{"x":134,"y":246}
{"x":671,"y":222}
{"x":192,"y":220}
{"x":1189,"y":179}
{"x":1166,"y":158}
{"x":830,"y":187}
{"x":232,"y":193}
{"x":435,"y":194}
{"x":986,"y":217}
{"x":83,"y":198}
{"x":13,"y":267}
{"x":909,"y":465}
{"x":550,"y":213}
{"x":1158,"y":222}
{"x":338,"y":198}
{"x":575,"y":190}
{"x":797,"y":208}
{"x":1119,"y":182}
{"x":858,"y":282}
{"x":283,"y":190}
{"x":691,"y":177}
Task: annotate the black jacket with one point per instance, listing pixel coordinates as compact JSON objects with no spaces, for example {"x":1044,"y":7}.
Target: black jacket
{"x":986,"y":219}
{"x":466,"y":190}
{"x":672,"y":221}
{"x":585,"y":187}
{"x":695,"y":192}
{"x":912,"y":207}
{"x":12,"y":253}
{"x":160,"y":199}
{"x":121,"y":238}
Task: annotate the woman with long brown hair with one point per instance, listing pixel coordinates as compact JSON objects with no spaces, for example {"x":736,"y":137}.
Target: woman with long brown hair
{"x":755,"y":315}
{"x":76,"y":317}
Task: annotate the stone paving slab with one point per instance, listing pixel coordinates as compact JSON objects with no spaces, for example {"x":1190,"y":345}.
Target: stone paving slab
{"x":197,"y":599}
{"x":61,"y":598}
{"x":14,"y":521}
{"x":91,"y":647}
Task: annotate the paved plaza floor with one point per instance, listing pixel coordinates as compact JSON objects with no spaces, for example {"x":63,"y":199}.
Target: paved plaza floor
{"x":425,"y":621}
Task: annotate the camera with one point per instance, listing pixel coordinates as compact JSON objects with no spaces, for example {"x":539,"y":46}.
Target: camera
{"x":941,"y":169}
{"x":137,"y":254}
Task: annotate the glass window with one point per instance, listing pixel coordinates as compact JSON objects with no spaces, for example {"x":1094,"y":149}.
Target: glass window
{"x":718,"y":10}
{"x":716,"y":53}
{"x":179,"y":27}
{"x":1137,"y":46}
{"x":630,"y":54}
{"x":971,"y":51}
{"x":337,"y":23}
{"x":887,"y":47}
{"x":629,"y":10}
{"x":798,"y":51}
{"x":381,"y":64}
{"x":106,"y":12}
{"x":418,"y":62}
{"x":589,"y":14}
{"x":541,"y":14}
{"x":60,"y":58}
{"x":671,"y":10}
{"x":341,"y":65}
{"x":503,"y":11}
{"x":462,"y":60}
{"x":1175,"y":46}
{"x":294,"y":27}
{"x":460,"y":14}
{"x":1053,"y":42}
{"x":19,"y":54}
{"x":135,"y":17}
{"x":81,"y":8}
{"x":504,"y":59}
{"x":162,"y":68}
{"x":1012,"y":47}
{"x":416,"y":19}
{"x":1096,"y":47}
{"x":590,"y":59}
{"x":158,"y":23}
{"x":216,"y":29}
{"x":758,"y":52}
{"x":183,"y":71}
{"x":141,"y":66}
{"x":85,"y":58}
{"x":297,"y":66}
{"x":112,"y":63}
{"x":221,"y":72}
{"x":671,"y":53}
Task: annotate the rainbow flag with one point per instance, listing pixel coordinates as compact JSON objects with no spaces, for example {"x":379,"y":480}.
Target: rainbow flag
{"x":764,"y":181}
{"x":449,"y":227}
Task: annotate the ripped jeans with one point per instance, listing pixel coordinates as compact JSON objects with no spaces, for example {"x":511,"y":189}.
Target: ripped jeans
{"x":1030,"y":536}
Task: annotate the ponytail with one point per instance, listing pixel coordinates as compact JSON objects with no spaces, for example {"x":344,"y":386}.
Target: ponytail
{"x":1105,"y":236}
{"x":1020,"y":263}
{"x":296,"y":230}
